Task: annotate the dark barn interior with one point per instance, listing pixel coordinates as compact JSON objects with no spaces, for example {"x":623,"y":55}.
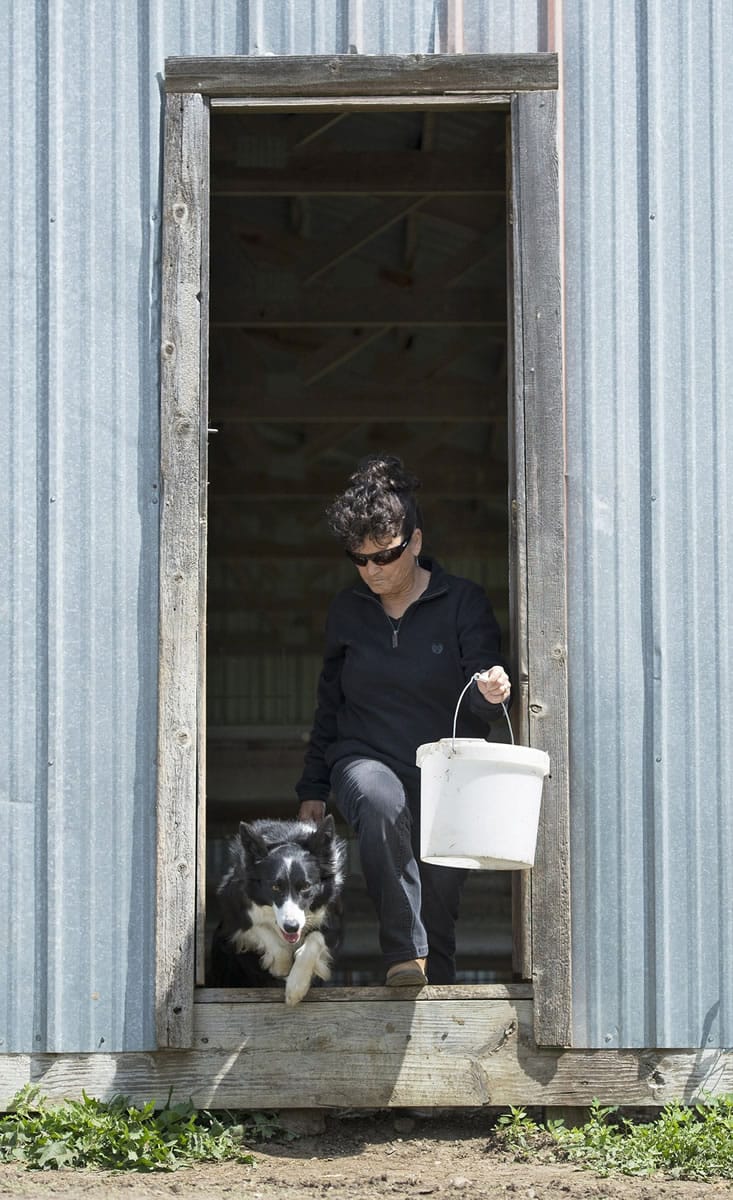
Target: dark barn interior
{"x":358,"y":303}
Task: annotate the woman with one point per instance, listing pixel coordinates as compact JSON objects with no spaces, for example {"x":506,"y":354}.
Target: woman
{"x":400,"y":646}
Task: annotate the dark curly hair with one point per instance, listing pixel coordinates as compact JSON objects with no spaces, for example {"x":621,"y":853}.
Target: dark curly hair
{"x":378,"y":504}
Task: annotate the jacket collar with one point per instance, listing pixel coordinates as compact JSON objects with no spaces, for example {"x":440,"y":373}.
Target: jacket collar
{"x":437,"y":584}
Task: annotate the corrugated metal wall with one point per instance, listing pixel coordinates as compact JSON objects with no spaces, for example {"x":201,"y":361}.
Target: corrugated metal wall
{"x":78,"y":641}
{"x":649,"y":252}
{"x":79,"y":556}
{"x":649,"y":261}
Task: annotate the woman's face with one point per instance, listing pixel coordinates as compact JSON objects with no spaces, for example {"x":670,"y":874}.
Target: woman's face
{"x":390,"y":578}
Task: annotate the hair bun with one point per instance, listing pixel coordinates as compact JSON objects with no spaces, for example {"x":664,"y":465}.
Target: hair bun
{"x":387,"y":472}
{"x":378,"y":504}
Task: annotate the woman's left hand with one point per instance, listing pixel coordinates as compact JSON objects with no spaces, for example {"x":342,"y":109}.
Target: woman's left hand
{"x":494,"y":685}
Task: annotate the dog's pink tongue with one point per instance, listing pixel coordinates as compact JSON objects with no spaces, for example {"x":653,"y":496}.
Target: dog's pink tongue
{"x":291,"y":937}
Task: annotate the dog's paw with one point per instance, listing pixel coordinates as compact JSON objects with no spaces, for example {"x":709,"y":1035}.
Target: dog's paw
{"x":297,"y":986}
{"x":277,"y":964}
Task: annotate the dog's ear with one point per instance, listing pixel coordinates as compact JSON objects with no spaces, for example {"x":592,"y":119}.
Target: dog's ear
{"x":254,"y":846}
{"x":323,"y":836}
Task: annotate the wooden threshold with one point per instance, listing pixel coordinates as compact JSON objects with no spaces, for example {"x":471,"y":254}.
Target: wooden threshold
{"x":336,"y":995}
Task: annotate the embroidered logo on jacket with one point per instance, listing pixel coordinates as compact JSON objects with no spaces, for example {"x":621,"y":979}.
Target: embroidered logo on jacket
{"x":437,"y":647}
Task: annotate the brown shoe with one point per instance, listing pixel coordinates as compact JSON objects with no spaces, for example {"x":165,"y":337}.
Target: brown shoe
{"x":407,"y":974}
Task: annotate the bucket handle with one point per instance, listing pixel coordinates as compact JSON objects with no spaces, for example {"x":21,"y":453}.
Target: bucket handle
{"x":478,"y":675}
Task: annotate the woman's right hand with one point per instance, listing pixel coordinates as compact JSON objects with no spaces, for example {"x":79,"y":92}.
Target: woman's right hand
{"x":312,"y":810}
{"x":494,"y":685}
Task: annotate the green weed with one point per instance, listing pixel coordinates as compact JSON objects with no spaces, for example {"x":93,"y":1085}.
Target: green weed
{"x":117,"y":1136}
{"x":686,"y":1142}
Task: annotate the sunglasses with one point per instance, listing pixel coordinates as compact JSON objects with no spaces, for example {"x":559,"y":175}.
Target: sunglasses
{"x":381,"y":558}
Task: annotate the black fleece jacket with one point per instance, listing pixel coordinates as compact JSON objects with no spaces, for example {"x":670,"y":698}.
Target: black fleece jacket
{"x":381,"y":694}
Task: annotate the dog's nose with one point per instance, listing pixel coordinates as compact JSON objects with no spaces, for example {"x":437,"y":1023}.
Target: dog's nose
{"x":291,"y":926}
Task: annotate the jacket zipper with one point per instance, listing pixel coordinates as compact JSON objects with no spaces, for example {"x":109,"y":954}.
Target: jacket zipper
{"x":396,"y":628}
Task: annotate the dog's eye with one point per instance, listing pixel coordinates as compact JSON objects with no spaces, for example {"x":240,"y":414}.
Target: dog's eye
{"x":277,"y":888}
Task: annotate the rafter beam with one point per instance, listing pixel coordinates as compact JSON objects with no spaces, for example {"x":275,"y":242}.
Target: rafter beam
{"x":386,"y":172}
{"x":359,"y":233}
{"x":250,"y":549}
{"x":366,"y":306}
{"x":457,"y":482}
{"x":453,"y":400}
{"x":336,"y":352}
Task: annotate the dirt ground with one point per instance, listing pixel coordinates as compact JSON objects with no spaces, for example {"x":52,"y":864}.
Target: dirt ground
{"x":366,"y":1157}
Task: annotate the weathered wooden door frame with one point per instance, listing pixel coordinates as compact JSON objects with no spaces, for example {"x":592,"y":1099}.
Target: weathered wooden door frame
{"x":526,"y":86}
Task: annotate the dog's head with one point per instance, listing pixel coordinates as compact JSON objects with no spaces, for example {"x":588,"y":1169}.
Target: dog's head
{"x":295,"y":868}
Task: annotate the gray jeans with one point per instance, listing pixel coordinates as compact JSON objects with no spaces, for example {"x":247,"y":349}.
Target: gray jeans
{"x":416,"y":902}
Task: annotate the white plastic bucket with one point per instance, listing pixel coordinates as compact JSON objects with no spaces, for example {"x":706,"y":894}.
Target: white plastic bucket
{"x":480,"y":803}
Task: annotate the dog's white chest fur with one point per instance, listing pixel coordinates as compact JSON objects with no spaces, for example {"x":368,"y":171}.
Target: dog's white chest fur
{"x":264,"y":938}
{"x":297,"y":964}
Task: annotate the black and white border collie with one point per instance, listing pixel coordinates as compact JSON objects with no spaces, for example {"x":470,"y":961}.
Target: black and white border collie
{"x":280,"y":905}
